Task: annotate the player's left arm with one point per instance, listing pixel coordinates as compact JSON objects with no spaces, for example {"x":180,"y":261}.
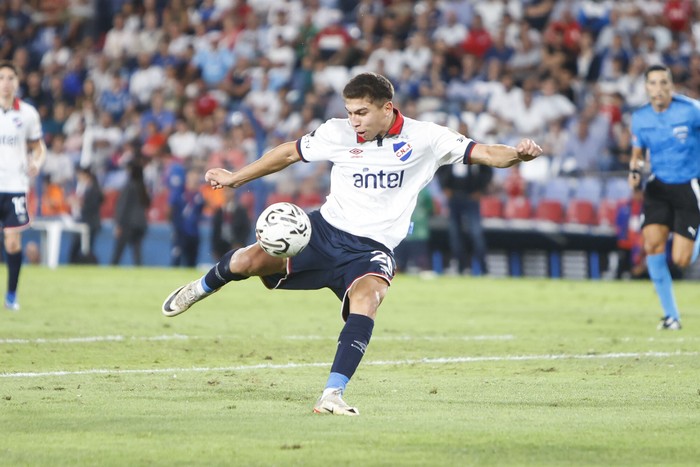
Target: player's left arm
{"x":503,"y":155}
{"x":36,"y":156}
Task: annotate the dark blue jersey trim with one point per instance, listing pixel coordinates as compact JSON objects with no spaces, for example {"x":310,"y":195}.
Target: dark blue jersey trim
{"x":467,"y":159}
{"x":298,"y":144}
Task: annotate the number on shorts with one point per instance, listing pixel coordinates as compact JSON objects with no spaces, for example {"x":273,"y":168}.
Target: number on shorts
{"x":20,"y":203}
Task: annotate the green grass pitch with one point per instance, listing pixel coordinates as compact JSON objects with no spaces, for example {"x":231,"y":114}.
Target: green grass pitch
{"x":460,"y":371}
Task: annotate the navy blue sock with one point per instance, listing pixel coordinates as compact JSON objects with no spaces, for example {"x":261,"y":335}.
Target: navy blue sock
{"x":352,"y":343}
{"x":14,"y":263}
{"x":221,"y":274}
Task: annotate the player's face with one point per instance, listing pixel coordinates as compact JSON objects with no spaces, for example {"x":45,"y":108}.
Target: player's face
{"x":8,"y":83}
{"x":368,"y":119}
{"x":659,"y":89}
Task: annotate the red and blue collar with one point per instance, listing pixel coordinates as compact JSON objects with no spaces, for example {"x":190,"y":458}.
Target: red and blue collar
{"x":15,"y":105}
{"x":395,"y":129}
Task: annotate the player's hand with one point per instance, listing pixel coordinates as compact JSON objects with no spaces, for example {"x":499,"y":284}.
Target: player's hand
{"x":33,"y":169}
{"x":634,"y":178}
{"x":528,"y":150}
{"x":219,"y":178}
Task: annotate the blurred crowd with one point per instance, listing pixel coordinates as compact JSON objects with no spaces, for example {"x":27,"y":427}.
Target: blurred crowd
{"x":154,"y":92}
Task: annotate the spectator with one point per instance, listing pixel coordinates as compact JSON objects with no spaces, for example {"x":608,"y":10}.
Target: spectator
{"x":186,"y":214}
{"x":86,"y":205}
{"x":478,"y":40}
{"x":183,"y":141}
{"x":452,"y":32}
{"x":231,"y":225}
{"x":413,"y":253}
{"x":463,"y":186}
{"x":119,"y":42}
{"x":145,"y":79}
{"x":116,"y":100}
{"x":130,"y":217}
{"x":58,"y":166}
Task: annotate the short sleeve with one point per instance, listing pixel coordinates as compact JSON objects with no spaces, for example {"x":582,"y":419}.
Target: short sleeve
{"x":450,"y":146}
{"x":315,"y":146}
{"x":637,"y":141}
{"x":34,"y":132}
{"x":696,"y":113}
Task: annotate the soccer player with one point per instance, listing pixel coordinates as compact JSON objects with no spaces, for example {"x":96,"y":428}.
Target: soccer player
{"x":22,"y":151}
{"x":381,"y":161}
{"x":668,"y":130}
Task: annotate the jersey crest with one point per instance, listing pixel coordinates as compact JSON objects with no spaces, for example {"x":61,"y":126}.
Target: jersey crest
{"x":403,"y":150}
{"x":681,"y":133}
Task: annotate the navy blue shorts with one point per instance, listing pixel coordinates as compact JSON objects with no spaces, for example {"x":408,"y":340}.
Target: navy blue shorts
{"x":13,"y":210}
{"x":334,"y":259}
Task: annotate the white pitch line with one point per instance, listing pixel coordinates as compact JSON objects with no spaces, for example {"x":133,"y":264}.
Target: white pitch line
{"x":91,"y":339}
{"x":664,"y":339}
{"x":506,"y":337}
{"x":423,"y":361}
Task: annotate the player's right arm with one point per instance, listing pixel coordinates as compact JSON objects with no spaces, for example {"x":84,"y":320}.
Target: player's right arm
{"x":272,"y":161}
{"x":638,"y":156}
{"x":636,"y":164}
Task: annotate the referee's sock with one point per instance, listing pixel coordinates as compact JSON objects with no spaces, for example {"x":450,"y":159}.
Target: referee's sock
{"x":696,"y":248}
{"x":352,"y":343}
{"x":220,"y":274}
{"x":661,"y":276}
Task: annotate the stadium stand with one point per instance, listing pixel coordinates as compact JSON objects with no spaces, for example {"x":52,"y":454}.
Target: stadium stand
{"x":267,"y":77}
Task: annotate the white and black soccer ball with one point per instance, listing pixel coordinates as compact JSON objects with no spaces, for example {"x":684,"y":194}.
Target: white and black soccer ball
{"x":283,"y":230}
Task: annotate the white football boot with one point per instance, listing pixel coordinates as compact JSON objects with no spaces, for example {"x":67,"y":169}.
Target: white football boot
{"x":333,"y":403}
{"x":181,"y":299}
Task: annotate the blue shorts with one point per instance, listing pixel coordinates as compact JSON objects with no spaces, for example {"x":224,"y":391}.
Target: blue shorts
{"x":334,"y":259}
{"x":13,"y":210}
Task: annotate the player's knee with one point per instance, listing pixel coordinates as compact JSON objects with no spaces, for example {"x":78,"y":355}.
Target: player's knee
{"x":253,"y":261}
{"x":13,"y":244}
{"x":242,"y":262}
{"x":654,"y":248}
{"x":367,"y":295}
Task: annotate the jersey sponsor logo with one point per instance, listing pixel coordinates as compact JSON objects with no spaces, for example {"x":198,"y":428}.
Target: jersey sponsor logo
{"x":681,"y":133}
{"x":403,"y":150}
{"x":381,"y":179}
{"x":386,"y":262}
{"x":9,"y":140}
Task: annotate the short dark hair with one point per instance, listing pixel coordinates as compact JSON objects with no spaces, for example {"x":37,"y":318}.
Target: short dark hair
{"x":657,"y":67}
{"x":373,"y":86}
{"x":8,"y":64}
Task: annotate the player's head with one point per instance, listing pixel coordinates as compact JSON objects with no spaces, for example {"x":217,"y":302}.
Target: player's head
{"x":9,"y":81}
{"x":659,"y":86}
{"x":368,"y":102}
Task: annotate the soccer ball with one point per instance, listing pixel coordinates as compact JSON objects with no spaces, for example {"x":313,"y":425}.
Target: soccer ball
{"x":283,"y":230}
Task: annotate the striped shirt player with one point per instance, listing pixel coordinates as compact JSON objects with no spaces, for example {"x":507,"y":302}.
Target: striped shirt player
{"x":667,"y":131}
{"x":380,"y":162}
{"x":22,"y":152}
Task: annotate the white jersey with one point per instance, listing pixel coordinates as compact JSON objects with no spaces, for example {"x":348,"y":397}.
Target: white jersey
{"x":375,"y":184}
{"x":17,"y":126}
